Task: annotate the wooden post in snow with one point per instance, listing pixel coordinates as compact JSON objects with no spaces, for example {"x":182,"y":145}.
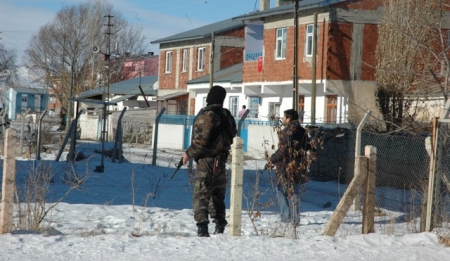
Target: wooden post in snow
{"x":369,"y":191}
{"x":347,"y":200}
{"x":8,"y":183}
{"x":237,"y":171}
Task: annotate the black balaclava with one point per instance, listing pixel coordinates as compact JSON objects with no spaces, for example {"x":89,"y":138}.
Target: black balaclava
{"x":216,"y":95}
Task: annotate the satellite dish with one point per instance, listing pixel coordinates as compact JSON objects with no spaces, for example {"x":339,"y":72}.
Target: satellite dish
{"x":95,"y":49}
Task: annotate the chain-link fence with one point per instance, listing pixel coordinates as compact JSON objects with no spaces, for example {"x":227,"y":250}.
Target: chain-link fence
{"x":440,"y":208}
{"x":402,"y":164}
{"x":137,"y":125}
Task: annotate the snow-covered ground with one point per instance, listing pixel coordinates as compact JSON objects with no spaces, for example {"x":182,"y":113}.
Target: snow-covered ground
{"x":134,"y":211}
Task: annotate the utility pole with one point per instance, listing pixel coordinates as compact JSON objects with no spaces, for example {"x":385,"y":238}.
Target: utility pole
{"x":211,"y":61}
{"x":108,"y":57}
{"x":314,"y":68}
{"x":108,"y":49}
{"x":295,"y":66}
{"x":295,"y":73}
{"x":70,"y":105}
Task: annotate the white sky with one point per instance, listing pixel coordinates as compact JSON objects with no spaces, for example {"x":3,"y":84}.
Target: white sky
{"x":101,"y":222}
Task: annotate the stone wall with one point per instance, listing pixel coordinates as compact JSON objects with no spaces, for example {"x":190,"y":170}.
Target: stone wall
{"x":137,"y":125}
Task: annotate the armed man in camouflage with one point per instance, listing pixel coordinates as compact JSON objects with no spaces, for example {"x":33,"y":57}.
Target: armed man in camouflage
{"x":213,"y":135}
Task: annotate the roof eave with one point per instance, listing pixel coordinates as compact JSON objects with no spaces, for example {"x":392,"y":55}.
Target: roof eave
{"x":285,"y":9}
{"x":177,"y":40}
{"x":162,"y":41}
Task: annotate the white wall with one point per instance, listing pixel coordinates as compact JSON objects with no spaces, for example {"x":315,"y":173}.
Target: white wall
{"x":170,"y":136}
{"x":261,"y":138}
{"x":89,"y":125}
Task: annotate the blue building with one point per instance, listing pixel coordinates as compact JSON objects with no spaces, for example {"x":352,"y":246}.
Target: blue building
{"x":20,"y":99}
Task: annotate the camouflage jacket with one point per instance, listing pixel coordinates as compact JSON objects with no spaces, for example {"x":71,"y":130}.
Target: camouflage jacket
{"x":213,"y":133}
{"x":289,"y":159}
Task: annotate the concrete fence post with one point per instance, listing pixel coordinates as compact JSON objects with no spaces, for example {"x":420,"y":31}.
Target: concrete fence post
{"x":8,"y":182}
{"x":237,"y":171}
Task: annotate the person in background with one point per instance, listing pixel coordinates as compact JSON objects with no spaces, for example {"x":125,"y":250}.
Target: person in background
{"x":290,"y":163}
{"x":242,"y":111}
{"x":213,"y":134}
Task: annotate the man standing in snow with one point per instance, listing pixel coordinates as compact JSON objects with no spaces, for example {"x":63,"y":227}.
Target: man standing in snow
{"x":290,"y":162}
{"x":213,"y":134}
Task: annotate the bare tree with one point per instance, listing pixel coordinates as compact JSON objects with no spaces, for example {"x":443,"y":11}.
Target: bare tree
{"x":412,"y":58}
{"x":7,"y":63}
{"x":61,"y":52}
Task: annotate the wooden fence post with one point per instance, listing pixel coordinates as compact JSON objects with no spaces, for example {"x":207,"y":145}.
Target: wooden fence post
{"x":369,"y":191}
{"x":237,"y":171}
{"x":431,"y":175}
{"x":347,"y":200}
{"x":9,"y":180}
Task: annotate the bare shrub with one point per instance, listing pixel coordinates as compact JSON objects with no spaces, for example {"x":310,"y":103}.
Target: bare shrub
{"x":256,"y":197}
{"x":31,"y":199}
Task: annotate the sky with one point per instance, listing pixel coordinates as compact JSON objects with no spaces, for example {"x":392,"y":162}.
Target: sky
{"x":135,"y":211}
{"x":20,"y":19}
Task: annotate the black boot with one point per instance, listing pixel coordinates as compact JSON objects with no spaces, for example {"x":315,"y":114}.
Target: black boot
{"x":219,"y":229}
{"x":202,"y":230}
{"x":220,"y":226}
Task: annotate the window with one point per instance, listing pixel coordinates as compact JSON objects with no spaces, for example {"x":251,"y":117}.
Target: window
{"x":201,"y":59}
{"x":254,"y":106}
{"x":234,"y":103}
{"x":301,"y":106}
{"x":24,"y":97}
{"x":331,"y":111}
{"x":309,"y":40}
{"x":168,"y":61}
{"x":281,"y":43}
{"x":185,"y":61}
{"x":274,"y":109}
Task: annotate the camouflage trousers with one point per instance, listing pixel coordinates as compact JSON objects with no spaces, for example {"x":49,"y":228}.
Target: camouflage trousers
{"x":209,"y":192}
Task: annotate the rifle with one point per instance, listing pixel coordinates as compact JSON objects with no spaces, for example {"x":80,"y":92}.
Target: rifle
{"x":178,"y":167}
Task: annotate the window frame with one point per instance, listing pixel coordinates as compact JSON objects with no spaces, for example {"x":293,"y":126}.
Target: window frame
{"x":169,"y":56}
{"x":280,"y":43}
{"x":201,"y":51}
{"x":309,"y":40}
{"x":184,"y":66}
{"x":331,"y":109}
{"x":274,"y":109}
{"x":301,"y":103}
{"x":234,"y":105}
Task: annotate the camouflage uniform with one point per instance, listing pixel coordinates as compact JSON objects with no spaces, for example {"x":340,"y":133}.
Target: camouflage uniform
{"x":213,"y":135}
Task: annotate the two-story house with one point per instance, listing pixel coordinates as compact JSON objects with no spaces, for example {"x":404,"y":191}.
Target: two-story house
{"x":344,"y":66}
{"x":194,"y":54}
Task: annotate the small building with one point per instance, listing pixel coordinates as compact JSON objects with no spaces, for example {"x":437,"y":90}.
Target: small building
{"x":20,"y":99}
{"x":129,"y":93}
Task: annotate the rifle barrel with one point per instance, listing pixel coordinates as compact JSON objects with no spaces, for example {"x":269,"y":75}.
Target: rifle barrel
{"x":178,"y":167}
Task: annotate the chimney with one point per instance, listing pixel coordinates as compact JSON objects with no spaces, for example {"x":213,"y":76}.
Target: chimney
{"x":264,"y":5}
